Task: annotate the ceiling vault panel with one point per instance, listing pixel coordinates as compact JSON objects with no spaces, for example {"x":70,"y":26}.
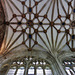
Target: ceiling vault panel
{"x":41,"y":25}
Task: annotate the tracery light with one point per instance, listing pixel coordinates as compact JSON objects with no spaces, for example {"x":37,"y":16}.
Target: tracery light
{"x":12,"y":71}
{"x":20,"y":71}
{"x":31,"y":70}
{"x":39,"y":71}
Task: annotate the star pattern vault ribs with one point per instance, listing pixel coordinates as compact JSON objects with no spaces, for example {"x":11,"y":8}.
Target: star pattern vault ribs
{"x":36,"y":22}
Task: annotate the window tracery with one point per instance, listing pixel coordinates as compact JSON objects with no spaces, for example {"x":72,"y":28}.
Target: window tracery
{"x":35,"y":66}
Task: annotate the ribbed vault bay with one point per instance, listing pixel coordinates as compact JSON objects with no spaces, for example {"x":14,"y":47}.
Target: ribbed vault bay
{"x":47,"y":25}
{"x":40,"y":30}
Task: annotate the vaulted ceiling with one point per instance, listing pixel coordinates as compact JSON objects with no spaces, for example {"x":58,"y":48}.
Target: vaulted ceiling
{"x":47,"y":25}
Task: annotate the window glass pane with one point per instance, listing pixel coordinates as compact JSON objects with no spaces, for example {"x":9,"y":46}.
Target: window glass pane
{"x":48,"y":71}
{"x":69,"y":67}
{"x":20,"y":71}
{"x":74,"y":68}
{"x":12,"y":71}
{"x":70,"y":72}
{"x":39,"y":71}
{"x":31,"y":71}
